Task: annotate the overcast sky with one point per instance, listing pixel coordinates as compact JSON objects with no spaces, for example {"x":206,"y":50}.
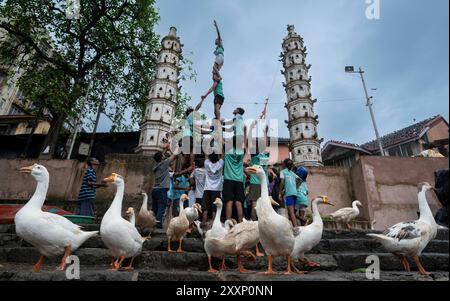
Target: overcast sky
{"x":405,"y":55}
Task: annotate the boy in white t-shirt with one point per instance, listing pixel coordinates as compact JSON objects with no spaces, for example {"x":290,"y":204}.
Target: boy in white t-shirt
{"x":213,"y":184}
{"x":198,"y":180}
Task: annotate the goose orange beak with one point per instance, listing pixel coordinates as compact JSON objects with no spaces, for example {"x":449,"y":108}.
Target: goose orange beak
{"x":26,"y":169}
{"x":274,"y":203}
{"x":252,"y":169}
{"x":111,"y":178}
{"x":326,"y":200}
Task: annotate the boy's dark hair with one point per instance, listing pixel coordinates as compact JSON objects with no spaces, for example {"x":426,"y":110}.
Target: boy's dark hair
{"x":158,"y":156}
{"x":90,"y":160}
{"x":213,"y":157}
{"x":199,"y":163}
{"x":240,"y":110}
{"x":288,"y":163}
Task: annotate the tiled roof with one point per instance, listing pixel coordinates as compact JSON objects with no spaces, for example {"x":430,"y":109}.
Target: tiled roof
{"x":407,"y":133}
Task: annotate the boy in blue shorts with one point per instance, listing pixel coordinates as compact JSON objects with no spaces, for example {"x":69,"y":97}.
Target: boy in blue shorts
{"x":302,"y":195}
{"x":289,"y":189}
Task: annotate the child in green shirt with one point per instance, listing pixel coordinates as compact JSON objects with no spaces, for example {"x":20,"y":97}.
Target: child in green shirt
{"x":302,"y":195}
{"x":289,"y":189}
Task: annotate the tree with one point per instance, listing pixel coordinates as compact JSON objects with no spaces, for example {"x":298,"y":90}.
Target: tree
{"x":113,"y":44}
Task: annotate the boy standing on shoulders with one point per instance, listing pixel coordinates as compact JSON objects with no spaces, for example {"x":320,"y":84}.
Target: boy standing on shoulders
{"x":289,"y":189}
{"x":302,"y":195}
{"x":217,"y":86}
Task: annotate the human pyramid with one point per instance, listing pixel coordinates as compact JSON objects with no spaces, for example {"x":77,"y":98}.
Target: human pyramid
{"x":264,"y":205}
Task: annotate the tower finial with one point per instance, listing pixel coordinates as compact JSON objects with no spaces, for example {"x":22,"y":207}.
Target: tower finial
{"x":290,"y":28}
{"x":173,"y":31}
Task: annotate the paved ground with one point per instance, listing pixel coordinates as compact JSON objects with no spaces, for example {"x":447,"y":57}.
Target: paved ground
{"x":22,"y":272}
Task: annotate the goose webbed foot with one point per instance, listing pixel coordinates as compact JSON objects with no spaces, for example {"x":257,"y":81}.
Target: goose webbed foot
{"x":258,"y":252}
{"x":37,"y":267}
{"x":62,"y":266}
{"x":404,"y":261}
{"x":269,"y":267}
{"x":180,"y":250}
{"x":420,"y":267}
{"x":211,"y":269}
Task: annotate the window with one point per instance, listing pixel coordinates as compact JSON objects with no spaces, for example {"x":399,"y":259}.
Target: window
{"x":15,"y":111}
{"x":309,"y":150}
{"x":306,"y":127}
{"x":29,"y":129}
{"x":20,"y":96}
{"x":407,"y":150}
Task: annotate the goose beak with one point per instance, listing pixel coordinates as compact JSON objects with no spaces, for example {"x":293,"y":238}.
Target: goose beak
{"x":252,"y":169}
{"x":326,"y":200}
{"x":217,"y":201}
{"x":26,"y":169}
{"x":110,"y":179}
{"x":184,"y":197}
{"x":129,"y":210}
{"x":274,"y":203}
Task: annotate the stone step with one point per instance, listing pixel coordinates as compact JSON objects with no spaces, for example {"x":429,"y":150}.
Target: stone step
{"x":198,"y":261}
{"x":98,"y":273}
{"x":192,"y":244}
{"x":21,"y":272}
{"x":443,"y":234}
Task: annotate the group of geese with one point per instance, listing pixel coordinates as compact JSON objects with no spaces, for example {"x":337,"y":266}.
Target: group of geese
{"x":54,"y":235}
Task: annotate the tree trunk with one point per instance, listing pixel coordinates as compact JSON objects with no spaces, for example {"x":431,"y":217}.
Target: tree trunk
{"x":52,"y":137}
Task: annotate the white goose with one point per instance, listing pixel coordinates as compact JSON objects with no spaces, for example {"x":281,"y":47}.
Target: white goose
{"x":347,"y":214}
{"x":146,"y":220}
{"x":119,"y":235}
{"x":131,"y":216}
{"x":192,"y":213}
{"x":411,"y":238}
{"x":50,"y":233}
{"x":178,"y":226}
{"x":238,"y":241}
{"x":218,"y":229}
{"x":308,"y":237}
{"x":275,"y":231}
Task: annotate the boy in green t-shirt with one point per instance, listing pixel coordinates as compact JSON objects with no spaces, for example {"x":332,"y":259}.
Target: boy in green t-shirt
{"x":302,"y":194}
{"x":217,"y":86}
{"x":233,"y":185}
{"x":289,"y":189}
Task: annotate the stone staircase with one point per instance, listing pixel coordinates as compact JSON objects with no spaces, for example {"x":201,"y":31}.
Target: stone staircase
{"x":341,"y":255}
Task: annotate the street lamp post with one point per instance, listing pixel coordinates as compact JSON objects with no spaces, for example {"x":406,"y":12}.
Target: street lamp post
{"x":351,"y":69}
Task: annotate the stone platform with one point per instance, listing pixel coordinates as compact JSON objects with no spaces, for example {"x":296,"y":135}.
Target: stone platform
{"x":341,"y":256}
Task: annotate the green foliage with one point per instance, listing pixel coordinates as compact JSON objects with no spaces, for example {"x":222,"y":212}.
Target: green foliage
{"x":113,"y":45}
{"x":183,"y":99}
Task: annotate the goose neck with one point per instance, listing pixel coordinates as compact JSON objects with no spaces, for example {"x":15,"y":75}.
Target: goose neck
{"x":38,"y":198}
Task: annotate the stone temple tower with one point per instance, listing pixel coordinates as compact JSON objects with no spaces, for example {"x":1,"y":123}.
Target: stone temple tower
{"x":302,"y":123}
{"x":162,"y":100}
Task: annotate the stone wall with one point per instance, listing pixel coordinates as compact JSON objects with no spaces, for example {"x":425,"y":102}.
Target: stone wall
{"x":66,"y":177}
{"x":387,"y":187}
{"x":335,"y":182}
